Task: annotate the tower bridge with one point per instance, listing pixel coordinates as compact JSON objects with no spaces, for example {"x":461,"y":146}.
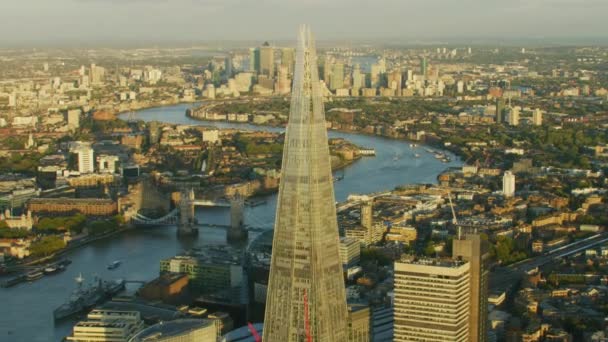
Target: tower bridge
{"x":183,"y":216}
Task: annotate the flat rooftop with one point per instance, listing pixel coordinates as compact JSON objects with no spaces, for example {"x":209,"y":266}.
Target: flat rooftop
{"x":172,"y":328}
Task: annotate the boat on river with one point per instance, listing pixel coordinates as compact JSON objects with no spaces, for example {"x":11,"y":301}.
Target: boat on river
{"x":14,"y":281}
{"x":114,"y":264}
{"x":85,"y":297}
{"x":52,"y":269}
{"x":34,"y":275}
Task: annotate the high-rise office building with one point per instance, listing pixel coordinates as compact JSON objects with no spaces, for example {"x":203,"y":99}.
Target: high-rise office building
{"x":537,"y":117}
{"x":337,"y":76}
{"x":359,"y":323}
{"x":327,"y":68}
{"x":424,"y":66}
{"x":228,"y":66}
{"x":282,"y":85}
{"x":358,"y":78}
{"x":395,"y":80}
{"x":306,"y":295}
{"x":474,"y":250}
{"x":432,"y":300}
{"x":350,"y":252}
{"x":409,"y":75}
{"x":513,"y":116}
{"x":288,"y":59}
{"x":500,"y":110}
{"x":508,"y":184}
{"x":367,"y":211}
{"x":254,"y":59}
{"x":97,"y":74}
{"x":86,"y":161}
{"x":267,"y":60}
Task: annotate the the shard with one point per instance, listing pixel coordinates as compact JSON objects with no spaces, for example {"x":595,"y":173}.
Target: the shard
{"x":306,"y":299}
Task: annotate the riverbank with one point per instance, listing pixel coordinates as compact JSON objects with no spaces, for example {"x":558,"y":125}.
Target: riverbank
{"x":72,"y":247}
{"x":457,"y":152}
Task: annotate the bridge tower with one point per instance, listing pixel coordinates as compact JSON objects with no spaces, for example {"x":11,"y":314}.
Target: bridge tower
{"x":237,"y":232}
{"x":186,"y":214}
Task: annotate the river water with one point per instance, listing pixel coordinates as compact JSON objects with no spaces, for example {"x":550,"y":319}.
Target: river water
{"x":27,"y":308}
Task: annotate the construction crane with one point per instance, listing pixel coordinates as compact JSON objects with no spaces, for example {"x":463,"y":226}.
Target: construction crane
{"x":306,"y":318}
{"x":454,"y":219}
{"x":254,"y":332}
{"x":257,"y":337}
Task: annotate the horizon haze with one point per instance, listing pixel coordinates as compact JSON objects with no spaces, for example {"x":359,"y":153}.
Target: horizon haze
{"x":95,"y":22}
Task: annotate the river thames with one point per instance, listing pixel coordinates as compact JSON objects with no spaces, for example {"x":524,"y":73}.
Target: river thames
{"x":28,"y":307}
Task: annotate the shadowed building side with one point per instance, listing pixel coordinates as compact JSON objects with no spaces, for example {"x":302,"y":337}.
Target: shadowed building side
{"x":306,"y":295}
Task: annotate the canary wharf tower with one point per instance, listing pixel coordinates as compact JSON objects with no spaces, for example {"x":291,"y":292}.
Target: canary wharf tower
{"x":306,"y":298}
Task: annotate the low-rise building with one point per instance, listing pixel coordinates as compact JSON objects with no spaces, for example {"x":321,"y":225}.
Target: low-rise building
{"x":63,"y":206}
{"x":179,"y":330}
{"x":107,"y":326}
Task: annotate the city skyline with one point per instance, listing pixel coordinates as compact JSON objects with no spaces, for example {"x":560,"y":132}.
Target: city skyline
{"x":195,"y":21}
{"x":395,"y":188}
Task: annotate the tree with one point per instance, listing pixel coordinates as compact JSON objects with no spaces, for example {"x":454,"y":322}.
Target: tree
{"x":47,"y":245}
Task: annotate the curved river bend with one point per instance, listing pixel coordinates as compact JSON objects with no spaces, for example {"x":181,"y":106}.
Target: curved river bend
{"x":27,"y":314}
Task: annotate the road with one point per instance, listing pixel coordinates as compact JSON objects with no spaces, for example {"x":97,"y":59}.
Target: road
{"x":504,"y":278}
{"x":564,"y":251}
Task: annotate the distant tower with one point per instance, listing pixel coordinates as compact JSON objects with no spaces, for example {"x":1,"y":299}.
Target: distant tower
{"x":306,"y":298}
{"x":86,"y":160}
{"x":367,"y":219}
{"x":474,"y":249}
{"x":186,"y":214}
{"x":254,"y":59}
{"x":237,"y":231}
{"x":424,"y":66}
{"x":267,"y":60}
{"x":337,"y":76}
{"x":508,"y":184}
{"x":500,"y":110}
{"x":288,"y":58}
{"x":537,"y":117}
{"x":228,"y":66}
{"x":30,"y":142}
{"x":460,"y":87}
{"x":513,"y":116}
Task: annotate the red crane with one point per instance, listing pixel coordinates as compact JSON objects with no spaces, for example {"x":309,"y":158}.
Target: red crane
{"x":306,"y":319}
{"x":306,"y":323}
{"x":254,"y":332}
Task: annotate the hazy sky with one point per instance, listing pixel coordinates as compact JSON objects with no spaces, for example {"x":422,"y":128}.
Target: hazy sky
{"x":63,"y":21}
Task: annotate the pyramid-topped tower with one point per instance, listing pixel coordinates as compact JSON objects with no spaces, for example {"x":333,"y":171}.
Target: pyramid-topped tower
{"x":306,"y":298}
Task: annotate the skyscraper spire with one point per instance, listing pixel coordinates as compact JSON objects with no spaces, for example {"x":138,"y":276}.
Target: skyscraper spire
{"x":305,"y":273}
